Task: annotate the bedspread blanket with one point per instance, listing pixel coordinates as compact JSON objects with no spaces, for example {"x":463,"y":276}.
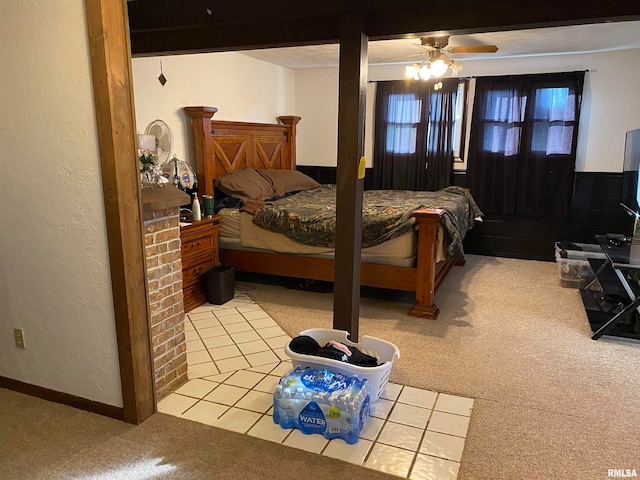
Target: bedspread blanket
{"x":309,"y":217}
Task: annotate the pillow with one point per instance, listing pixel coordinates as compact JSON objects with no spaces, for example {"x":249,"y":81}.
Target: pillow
{"x":246,"y":184}
{"x":287,"y":181}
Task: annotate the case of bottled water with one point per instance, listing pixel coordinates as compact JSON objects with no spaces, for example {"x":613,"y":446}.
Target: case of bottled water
{"x":319,"y":401}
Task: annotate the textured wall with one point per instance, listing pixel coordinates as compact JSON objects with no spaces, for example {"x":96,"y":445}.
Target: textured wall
{"x":242,"y":88}
{"x":54,"y":268}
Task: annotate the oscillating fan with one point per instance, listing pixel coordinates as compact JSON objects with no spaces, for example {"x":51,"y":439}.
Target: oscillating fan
{"x":164,"y":140}
{"x":178,"y":172}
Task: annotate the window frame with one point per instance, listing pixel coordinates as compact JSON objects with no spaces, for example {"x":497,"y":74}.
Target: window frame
{"x":460,"y":125}
{"x":461,"y":115}
{"x":549,"y":123}
{"x":412,"y":126}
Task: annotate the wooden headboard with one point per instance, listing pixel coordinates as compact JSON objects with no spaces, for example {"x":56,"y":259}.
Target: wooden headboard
{"x":224,"y":146}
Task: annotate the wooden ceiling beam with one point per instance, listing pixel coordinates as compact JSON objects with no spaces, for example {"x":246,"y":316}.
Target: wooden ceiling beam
{"x":496,"y":15}
{"x":167,"y":14}
{"x":185,"y":26}
{"x":221,"y":38}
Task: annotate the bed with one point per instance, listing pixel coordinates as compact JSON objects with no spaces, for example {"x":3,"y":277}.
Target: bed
{"x":222,"y":147}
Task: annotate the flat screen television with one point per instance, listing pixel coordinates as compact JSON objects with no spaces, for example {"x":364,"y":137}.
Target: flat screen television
{"x":630,"y":197}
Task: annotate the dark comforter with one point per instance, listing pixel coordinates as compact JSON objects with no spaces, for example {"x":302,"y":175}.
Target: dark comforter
{"x":309,"y":217}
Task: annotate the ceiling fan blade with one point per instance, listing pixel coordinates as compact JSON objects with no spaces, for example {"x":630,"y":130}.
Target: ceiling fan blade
{"x":473,"y":49}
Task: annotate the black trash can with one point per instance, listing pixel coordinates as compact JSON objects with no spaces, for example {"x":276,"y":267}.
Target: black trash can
{"x":220,"y":284}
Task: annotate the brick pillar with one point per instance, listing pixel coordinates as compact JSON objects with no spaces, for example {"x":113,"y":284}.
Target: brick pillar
{"x":164,"y":276}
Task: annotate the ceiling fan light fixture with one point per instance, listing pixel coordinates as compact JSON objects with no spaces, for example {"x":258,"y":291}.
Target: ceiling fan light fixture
{"x":412,"y":71}
{"x":425,"y":72}
{"x":456,"y":67}
{"x":438,"y":68}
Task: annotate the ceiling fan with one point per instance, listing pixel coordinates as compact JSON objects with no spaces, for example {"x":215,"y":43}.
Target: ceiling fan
{"x":441,"y":43}
{"x":438,"y":63}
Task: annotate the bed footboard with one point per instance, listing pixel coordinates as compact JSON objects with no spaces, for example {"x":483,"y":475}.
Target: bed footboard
{"x":429,"y":274}
{"x":424,"y":279}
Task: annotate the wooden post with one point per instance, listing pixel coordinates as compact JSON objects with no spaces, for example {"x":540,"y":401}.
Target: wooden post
{"x":428,"y":222}
{"x":201,"y":118}
{"x":112,"y":88}
{"x":291,"y":121}
{"x":351,"y":118}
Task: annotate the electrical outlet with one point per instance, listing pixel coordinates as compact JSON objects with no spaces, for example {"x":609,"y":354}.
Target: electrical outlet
{"x":18,"y":335}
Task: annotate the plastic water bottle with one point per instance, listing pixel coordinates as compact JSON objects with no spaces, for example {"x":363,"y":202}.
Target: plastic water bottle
{"x":285,"y":408}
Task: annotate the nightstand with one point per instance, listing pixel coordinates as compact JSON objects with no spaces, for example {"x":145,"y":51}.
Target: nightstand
{"x":199,"y":253}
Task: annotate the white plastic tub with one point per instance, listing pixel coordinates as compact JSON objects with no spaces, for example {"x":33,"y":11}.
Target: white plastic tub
{"x":376,"y":376}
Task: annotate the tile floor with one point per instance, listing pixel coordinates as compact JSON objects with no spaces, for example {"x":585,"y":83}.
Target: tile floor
{"x":235,"y":355}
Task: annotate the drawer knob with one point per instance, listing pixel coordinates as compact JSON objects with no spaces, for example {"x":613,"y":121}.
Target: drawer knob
{"x":196,"y":244}
{"x":197,"y":271}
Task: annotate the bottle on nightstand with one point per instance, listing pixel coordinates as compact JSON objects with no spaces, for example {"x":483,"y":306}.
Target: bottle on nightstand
{"x":195,"y":208}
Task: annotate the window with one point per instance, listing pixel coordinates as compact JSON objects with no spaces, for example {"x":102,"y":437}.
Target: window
{"x":523,"y":143}
{"x":404,"y":116}
{"x":459,"y":122}
{"x":503,"y":118}
{"x":402,"y":123}
{"x":413,"y":135}
{"x":553,"y":121}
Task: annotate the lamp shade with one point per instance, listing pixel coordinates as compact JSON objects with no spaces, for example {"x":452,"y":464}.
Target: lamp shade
{"x":411,"y":71}
{"x":425,"y":72}
{"x":438,"y":68}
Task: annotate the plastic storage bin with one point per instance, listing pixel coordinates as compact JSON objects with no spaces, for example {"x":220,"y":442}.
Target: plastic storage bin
{"x":377,"y":377}
{"x":318,"y":401}
{"x":574,"y":270}
{"x":220,"y":284}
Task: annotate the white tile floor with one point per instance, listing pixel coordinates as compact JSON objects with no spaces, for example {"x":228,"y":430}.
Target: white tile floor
{"x":235,"y":355}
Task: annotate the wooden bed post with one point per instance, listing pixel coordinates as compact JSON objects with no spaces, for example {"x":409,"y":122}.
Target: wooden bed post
{"x":201,"y":117}
{"x":428,"y":222}
{"x":291,"y":121}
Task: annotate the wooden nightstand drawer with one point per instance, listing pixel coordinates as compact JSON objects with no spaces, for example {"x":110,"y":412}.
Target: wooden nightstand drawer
{"x":198,"y":243}
{"x":195,"y":273}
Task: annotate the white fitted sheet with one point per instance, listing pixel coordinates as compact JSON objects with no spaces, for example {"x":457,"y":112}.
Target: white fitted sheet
{"x":238,"y":231}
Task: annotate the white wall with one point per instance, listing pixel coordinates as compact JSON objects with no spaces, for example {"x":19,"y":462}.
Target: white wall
{"x":611,"y":103}
{"x":54,"y":266}
{"x":317,"y":104}
{"x":241,"y":88}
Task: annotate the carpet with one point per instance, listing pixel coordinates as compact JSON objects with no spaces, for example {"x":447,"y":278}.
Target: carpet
{"x":550,"y":402}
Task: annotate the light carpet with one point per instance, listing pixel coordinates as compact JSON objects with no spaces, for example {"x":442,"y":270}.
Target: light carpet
{"x":551,"y":402}
{"x":41,"y":440}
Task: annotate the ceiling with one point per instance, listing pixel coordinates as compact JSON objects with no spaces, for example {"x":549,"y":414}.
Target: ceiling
{"x":600,"y":37}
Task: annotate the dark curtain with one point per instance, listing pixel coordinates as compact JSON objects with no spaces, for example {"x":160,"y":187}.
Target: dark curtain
{"x":413,"y":131}
{"x":440,"y":136}
{"x":522,"y":149}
